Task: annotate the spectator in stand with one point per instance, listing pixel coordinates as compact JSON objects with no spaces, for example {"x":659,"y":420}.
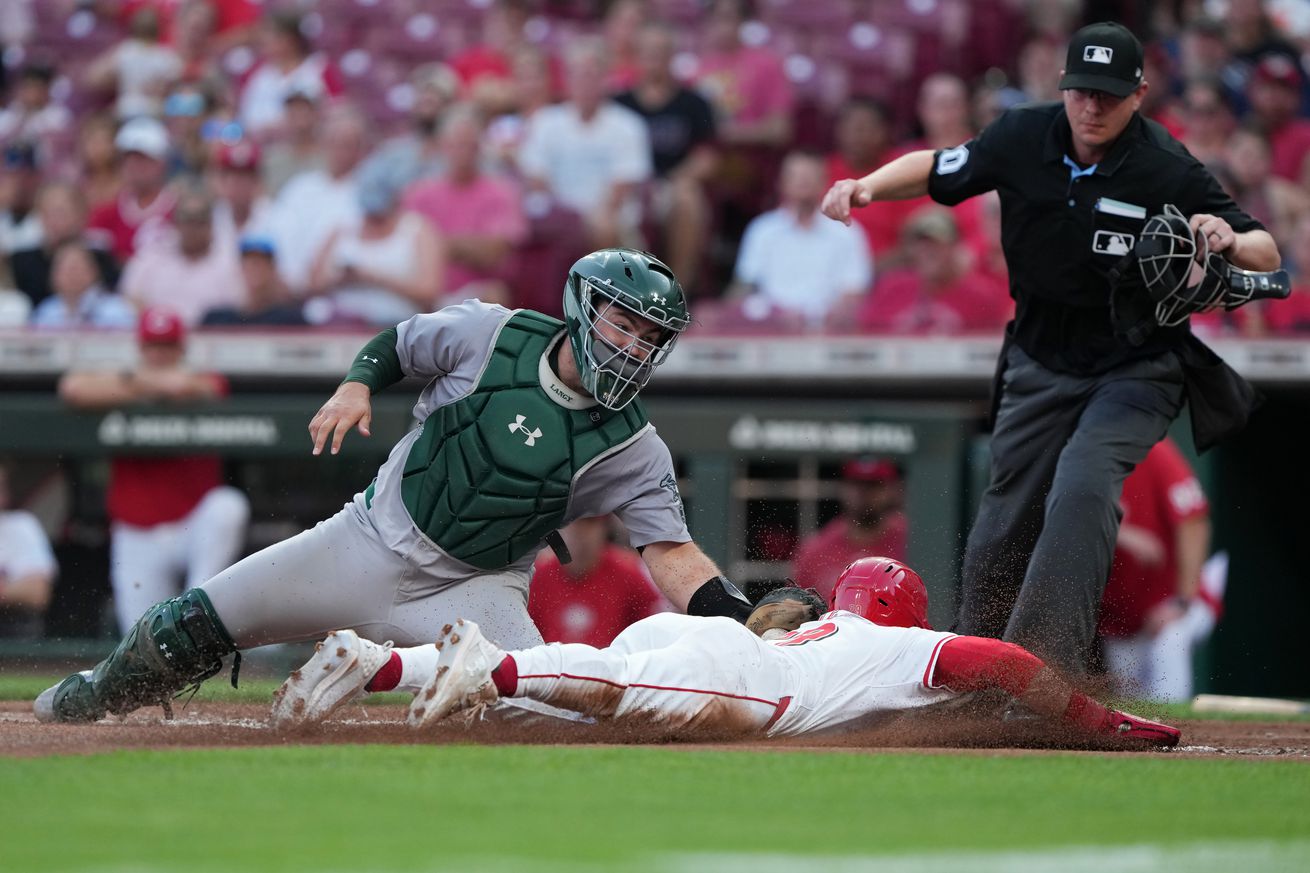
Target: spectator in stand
{"x":138,"y":69}
{"x":172,"y":518}
{"x":747,"y":85}
{"x":241,"y":208}
{"x":20,"y":179}
{"x":590,"y":154}
{"x":198,"y":35}
{"x":141,"y":211}
{"x":187,"y":273}
{"x":532,"y":87}
{"x":624,"y":22}
{"x":27,"y":567}
{"x":1203,"y":54}
{"x":680,"y":124}
{"x":61,"y":211}
{"x":80,"y":298}
{"x":387,"y":268}
{"x":939,"y":292}
{"x":943,"y":113}
{"x":1293,"y":314}
{"x":97,"y":160}
{"x":1040,"y":62}
{"x":287,"y":64}
{"x":31,"y":116}
{"x":596,"y":595}
{"x":267,"y":300}
{"x":315,"y":203}
{"x":794,"y":261}
{"x":1275,"y":95}
{"x":1153,"y":611}
{"x":1251,"y":33}
{"x":299,"y":150}
{"x":1248,"y":172}
{"x":485,"y":70}
{"x":479,"y":217}
{"x":864,"y":143}
{"x":946,"y":121}
{"x":1207,"y":116}
{"x":186,"y":110}
{"x":418,"y":154}
{"x":871,"y":522}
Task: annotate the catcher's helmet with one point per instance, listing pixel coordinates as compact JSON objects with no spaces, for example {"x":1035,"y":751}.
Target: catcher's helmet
{"x":635,"y":281}
{"x":884,"y":591}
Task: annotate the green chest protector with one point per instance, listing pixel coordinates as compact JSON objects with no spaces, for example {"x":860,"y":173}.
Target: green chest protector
{"x":491,"y":473}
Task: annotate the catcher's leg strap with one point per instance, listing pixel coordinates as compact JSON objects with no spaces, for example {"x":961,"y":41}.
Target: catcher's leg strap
{"x":177,"y":643}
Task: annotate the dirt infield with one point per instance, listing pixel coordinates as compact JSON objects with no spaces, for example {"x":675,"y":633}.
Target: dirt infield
{"x":211,"y":725}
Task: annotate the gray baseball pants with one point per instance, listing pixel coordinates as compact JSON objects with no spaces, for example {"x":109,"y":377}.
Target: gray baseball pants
{"x":339,"y":574}
{"x":1040,"y":549}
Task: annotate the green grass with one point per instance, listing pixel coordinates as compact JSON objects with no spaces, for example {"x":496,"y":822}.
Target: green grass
{"x":420,"y":808}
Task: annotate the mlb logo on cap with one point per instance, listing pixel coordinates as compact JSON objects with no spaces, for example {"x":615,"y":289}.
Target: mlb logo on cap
{"x":1097,"y":54}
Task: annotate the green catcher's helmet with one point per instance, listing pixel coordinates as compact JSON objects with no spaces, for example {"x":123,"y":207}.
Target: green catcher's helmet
{"x":639,"y":283}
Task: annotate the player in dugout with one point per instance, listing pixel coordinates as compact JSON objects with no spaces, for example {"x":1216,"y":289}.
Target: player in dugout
{"x":796,"y":667}
{"x":527,"y":423}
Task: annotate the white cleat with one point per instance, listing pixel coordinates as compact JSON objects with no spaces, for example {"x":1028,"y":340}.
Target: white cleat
{"x":337,"y":673}
{"x":463,"y":677}
{"x":44,"y":705}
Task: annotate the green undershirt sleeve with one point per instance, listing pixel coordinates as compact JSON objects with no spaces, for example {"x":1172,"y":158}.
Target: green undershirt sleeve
{"x":377,"y":365}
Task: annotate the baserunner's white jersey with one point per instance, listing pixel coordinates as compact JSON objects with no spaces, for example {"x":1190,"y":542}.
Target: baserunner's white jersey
{"x":848,"y":669}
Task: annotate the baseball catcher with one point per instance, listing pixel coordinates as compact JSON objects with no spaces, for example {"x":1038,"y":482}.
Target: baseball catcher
{"x":526,"y":423}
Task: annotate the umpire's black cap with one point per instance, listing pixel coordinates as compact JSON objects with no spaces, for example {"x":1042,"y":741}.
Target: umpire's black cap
{"x":1103,"y":57}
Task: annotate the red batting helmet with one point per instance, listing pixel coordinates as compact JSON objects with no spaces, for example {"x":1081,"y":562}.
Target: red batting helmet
{"x":884,"y":591}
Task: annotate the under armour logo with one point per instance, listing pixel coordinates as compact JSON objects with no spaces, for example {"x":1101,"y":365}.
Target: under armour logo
{"x":367,"y":358}
{"x":658,"y":298}
{"x":518,"y":427}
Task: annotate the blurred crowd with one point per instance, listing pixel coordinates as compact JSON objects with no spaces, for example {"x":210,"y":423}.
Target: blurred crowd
{"x":353,"y":162}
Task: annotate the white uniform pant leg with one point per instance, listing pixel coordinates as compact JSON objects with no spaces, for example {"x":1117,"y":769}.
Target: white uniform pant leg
{"x":144,"y":568}
{"x":1125,"y":659}
{"x":715,"y":679}
{"x":1168,"y":668}
{"x":215,"y":532}
{"x":496,"y":601}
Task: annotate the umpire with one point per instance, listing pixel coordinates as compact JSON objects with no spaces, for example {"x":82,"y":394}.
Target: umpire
{"x":1087,"y":382}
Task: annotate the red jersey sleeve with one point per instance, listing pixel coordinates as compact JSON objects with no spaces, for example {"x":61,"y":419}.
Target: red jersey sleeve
{"x":1183,"y":497}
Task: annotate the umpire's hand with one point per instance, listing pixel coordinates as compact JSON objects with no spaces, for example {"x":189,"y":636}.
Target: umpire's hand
{"x":349,"y":406}
{"x":841,"y":197}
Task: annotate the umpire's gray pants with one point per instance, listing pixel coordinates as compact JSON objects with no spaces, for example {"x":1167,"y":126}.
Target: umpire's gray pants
{"x":339,"y":574}
{"x":1039,"y":553}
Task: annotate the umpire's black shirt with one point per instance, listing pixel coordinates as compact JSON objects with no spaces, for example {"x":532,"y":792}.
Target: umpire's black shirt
{"x":1064,"y":226}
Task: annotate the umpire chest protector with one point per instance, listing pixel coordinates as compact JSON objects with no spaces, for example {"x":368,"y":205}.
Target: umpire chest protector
{"x":491,"y":473}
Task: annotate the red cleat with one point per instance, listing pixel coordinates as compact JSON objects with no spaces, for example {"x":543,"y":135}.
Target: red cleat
{"x":1133,"y":727}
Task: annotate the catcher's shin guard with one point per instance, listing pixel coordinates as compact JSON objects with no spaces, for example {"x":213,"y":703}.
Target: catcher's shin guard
{"x":177,"y":643}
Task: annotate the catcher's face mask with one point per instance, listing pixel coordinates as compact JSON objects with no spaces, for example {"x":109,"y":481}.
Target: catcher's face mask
{"x":1183,"y":277}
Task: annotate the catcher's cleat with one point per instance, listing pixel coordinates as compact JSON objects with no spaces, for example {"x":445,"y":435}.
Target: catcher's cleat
{"x":342,"y":665}
{"x":462,"y":680}
{"x":1127,"y":726}
{"x":71,"y":700}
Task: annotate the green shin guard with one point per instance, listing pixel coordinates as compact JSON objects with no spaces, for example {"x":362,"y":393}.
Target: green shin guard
{"x":177,"y":643}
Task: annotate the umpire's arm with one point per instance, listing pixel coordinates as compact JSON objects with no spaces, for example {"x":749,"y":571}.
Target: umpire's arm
{"x":903,"y":178}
